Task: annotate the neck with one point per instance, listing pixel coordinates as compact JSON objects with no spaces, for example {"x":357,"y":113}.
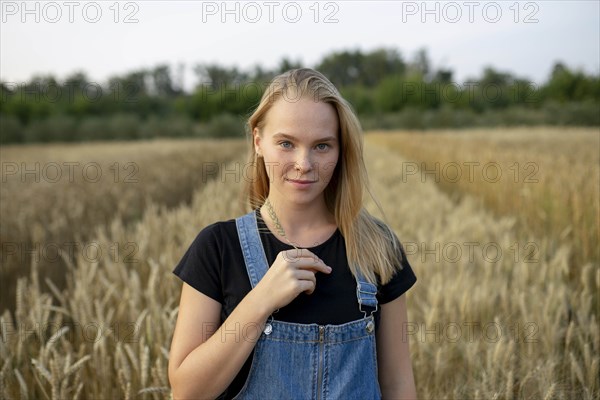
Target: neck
{"x":298,"y":218}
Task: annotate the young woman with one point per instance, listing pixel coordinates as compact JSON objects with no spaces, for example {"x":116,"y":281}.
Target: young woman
{"x":303,"y":296}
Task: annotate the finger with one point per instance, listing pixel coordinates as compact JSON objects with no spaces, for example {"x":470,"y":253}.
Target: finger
{"x":313,"y":266}
{"x":311,"y":281}
{"x":303,"y":276}
{"x":308,"y":287}
{"x":293,"y":255}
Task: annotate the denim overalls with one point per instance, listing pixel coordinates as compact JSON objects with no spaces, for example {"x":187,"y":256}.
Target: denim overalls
{"x":309,"y":361}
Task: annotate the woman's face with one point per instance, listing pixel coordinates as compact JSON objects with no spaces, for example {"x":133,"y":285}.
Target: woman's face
{"x":300,"y":146}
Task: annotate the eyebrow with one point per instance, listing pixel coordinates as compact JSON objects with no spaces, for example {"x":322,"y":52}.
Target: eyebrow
{"x":286,"y":136}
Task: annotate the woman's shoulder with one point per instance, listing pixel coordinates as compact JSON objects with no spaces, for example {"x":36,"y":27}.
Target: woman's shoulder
{"x":202,"y":264}
{"x":210,"y":243}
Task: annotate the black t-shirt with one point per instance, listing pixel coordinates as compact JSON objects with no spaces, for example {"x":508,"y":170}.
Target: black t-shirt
{"x":214,"y":265}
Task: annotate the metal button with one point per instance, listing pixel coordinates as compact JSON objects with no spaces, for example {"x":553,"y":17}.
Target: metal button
{"x":268,"y":329}
{"x":370,"y":326}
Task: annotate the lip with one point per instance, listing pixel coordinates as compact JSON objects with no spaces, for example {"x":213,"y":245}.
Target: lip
{"x":300,"y":183}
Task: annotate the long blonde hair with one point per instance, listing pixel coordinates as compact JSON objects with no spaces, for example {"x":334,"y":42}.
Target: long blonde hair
{"x":371,"y":246}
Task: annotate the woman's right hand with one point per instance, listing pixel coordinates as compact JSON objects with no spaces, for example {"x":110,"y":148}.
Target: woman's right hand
{"x":292,"y":273}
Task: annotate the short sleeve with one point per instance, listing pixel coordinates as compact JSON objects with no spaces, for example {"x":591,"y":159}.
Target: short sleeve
{"x":201,"y":264}
{"x":402,"y":280}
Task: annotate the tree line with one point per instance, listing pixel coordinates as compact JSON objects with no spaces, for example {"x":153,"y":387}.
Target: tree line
{"x":386,"y":90}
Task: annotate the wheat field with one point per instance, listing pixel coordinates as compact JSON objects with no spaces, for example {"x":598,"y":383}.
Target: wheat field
{"x":54,"y":197}
{"x":498,"y":312}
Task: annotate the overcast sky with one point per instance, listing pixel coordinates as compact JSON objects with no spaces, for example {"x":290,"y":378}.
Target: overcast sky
{"x":105,"y":38}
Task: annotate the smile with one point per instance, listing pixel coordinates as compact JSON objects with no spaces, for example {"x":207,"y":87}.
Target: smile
{"x":299,"y":182}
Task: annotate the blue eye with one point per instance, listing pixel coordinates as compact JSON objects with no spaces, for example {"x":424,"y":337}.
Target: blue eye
{"x":286,"y":145}
{"x":322,"y":146}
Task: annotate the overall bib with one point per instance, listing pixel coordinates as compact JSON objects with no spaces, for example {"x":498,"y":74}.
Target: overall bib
{"x":309,"y":361}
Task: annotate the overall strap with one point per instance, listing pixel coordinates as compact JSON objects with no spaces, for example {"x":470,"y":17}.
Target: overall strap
{"x":365,"y":293}
{"x":252,"y":248}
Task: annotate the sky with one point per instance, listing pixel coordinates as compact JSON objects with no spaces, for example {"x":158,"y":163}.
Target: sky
{"x":107,"y":38}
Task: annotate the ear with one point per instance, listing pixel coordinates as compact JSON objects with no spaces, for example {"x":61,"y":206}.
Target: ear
{"x":256,"y":139}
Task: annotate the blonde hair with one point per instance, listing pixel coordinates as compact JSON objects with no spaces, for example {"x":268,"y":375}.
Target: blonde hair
{"x":371,"y":246}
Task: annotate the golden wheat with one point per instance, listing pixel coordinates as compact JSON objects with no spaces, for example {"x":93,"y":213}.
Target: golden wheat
{"x":480,"y":325}
{"x":548,"y":177}
{"x":54,"y":197}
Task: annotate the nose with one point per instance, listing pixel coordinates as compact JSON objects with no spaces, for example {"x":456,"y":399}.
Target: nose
{"x":304,"y":163}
